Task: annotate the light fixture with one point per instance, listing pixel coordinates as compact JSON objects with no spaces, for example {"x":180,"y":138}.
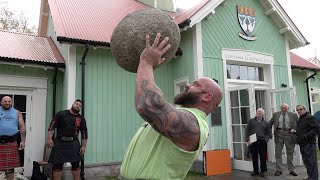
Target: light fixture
{"x":284,"y":85}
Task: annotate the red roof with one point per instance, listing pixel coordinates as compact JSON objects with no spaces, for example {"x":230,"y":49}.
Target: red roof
{"x":95,"y":20}
{"x":300,"y":63}
{"x":23,"y":47}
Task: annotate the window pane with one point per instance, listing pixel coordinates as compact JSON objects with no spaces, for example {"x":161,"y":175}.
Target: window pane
{"x":237,"y":151}
{"x":245,"y":114}
{"x":20,"y":102}
{"x":236,"y":133}
{"x":243,"y":134}
{"x":228,"y":71}
{"x":235,"y":116}
{"x":247,"y":155}
{"x":235,"y":74}
{"x":2,"y":95}
{"x":260,"y":73}
{"x":234,"y":98}
{"x":243,"y":72}
{"x":182,"y":88}
{"x":244,"y":97}
{"x":252,"y":73}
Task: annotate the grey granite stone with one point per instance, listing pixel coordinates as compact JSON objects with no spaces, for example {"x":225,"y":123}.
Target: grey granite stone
{"x":128,"y":38}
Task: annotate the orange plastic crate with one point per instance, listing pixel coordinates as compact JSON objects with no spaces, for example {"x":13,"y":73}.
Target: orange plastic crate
{"x":217,"y":162}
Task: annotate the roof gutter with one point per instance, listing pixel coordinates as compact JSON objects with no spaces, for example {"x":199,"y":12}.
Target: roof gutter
{"x":61,"y":65}
{"x":304,"y":68}
{"x":84,"y":42}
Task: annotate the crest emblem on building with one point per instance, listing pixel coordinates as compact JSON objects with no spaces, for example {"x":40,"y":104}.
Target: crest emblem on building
{"x":247,"y":21}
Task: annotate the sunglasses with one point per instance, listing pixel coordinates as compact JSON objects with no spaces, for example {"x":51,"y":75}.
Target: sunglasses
{"x":299,"y":109}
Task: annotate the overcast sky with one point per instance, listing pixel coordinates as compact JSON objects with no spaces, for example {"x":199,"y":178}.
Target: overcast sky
{"x":305,"y":14}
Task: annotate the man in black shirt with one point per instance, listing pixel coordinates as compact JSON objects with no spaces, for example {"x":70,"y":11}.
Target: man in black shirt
{"x":66,"y":147}
{"x":260,"y":127}
{"x":307,"y":130}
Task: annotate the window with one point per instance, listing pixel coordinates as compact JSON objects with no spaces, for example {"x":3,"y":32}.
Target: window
{"x":315,"y":98}
{"x":242,"y":72}
{"x":180,"y":85}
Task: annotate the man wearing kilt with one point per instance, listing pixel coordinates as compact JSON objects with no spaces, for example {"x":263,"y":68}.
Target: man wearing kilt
{"x":66,"y":147}
{"x":11,"y":122}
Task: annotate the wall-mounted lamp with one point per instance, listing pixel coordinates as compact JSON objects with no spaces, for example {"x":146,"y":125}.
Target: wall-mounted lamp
{"x":284,"y":85}
{"x":215,"y":80}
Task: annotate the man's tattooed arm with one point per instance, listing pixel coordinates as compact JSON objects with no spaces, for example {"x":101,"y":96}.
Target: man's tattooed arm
{"x":178,"y":125}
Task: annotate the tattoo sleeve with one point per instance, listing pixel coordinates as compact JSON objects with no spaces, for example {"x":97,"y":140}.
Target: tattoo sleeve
{"x":84,"y":142}
{"x":162,"y":116}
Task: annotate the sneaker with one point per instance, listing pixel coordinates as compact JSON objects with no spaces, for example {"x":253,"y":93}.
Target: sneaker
{"x":262,"y":174}
{"x":254,"y":174}
{"x":293,"y":173}
{"x":278,"y":173}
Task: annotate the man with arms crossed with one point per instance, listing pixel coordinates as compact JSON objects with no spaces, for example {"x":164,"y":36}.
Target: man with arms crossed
{"x":166,"y":145}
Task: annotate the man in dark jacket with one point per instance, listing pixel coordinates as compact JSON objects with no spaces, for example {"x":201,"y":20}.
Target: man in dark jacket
{"x":307,"y":130}
{"x":260,"y":127}
{"x":317,"y":116}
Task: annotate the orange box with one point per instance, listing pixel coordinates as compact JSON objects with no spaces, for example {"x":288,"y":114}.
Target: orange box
{"x":217,"y":162}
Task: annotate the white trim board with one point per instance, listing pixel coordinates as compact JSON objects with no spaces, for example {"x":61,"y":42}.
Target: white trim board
{"x":197,"y":51}
{"x":23,"y":81}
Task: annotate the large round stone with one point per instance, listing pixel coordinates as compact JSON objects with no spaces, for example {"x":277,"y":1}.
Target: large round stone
{"x":128,"y":38}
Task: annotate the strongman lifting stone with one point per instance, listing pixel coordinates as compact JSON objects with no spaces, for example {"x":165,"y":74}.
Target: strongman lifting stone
{"x":128,"y":38}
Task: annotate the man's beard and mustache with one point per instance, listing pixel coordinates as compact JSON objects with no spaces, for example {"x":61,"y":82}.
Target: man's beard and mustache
{"x":6,"y":108}
{"x":75,"y":110}
{"x":187,"y":98}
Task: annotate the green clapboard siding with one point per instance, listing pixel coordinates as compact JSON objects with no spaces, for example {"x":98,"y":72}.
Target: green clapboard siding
{"x":298,"y":78}
{"x":218,"y":135}
{"x":221,"y":31}
{"x":109,"y":104}
{"x":39,"y":72}
{"x":184,"y":65}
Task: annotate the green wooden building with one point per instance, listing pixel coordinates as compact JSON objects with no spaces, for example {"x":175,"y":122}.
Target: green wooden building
{"x":243,"y":44}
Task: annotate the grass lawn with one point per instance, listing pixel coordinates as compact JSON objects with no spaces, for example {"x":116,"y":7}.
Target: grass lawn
{"x":318,"y":154}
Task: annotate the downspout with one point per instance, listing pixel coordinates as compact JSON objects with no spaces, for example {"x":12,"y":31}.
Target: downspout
{"x":308,"y":91}
{"x":54,"y":95}
{"x":54,"y":90}
{"x":83,"y":75}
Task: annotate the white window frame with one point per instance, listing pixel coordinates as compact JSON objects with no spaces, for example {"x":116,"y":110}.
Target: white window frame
{"x":177,"y":82}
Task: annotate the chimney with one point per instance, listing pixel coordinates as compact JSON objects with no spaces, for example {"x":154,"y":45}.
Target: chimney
{"x":165,"y":5}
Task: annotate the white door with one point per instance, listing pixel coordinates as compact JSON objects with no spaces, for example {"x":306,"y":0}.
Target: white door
{"x":275,"y":97}
{"x":21,"y":100}
{"x":242,"y":108}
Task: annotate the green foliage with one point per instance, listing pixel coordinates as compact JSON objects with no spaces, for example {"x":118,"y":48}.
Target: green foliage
{"x":13,"y":22}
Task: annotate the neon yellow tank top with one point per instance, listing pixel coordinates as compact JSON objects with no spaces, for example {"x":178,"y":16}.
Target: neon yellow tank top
{"x":153,"y":156}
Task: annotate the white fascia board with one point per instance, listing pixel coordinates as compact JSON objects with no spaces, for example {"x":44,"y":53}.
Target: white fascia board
{"x":286,"y":19}
{"x":268,"y":12}
{"x":205,"y":11}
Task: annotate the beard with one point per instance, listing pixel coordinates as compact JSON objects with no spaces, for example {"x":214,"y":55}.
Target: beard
{"x":187,"y":98}
{"x":6,"y":108}
{"x":75,"y":110}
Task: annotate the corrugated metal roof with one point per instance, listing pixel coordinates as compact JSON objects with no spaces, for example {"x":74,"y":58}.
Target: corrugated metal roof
{"x":95,"y":20}
{"x":301,"y":63}
{"x":24,"y":47}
